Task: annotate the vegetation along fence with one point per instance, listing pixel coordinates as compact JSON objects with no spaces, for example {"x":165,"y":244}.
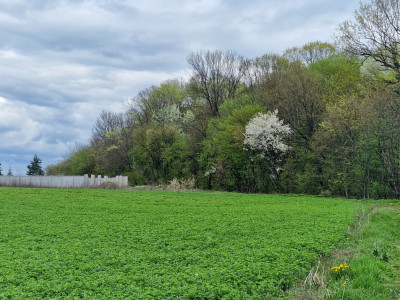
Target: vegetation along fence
{"x":62,"y":181}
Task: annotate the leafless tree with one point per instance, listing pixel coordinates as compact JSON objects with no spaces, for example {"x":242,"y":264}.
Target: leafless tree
{"x":375,"y":33}
{"x":216,"y":76}
{"x":112,"y":142}
{"x":107,"y":122}
{"x":140,"y":107}
{"x":261,"y":68}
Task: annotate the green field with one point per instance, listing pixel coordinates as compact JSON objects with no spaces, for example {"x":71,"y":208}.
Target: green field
{"x":162,"y":245}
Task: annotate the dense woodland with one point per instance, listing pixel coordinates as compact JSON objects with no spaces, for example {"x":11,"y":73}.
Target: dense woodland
{"x":341,"y":105}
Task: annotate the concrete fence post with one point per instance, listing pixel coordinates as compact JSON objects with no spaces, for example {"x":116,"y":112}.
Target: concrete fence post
{"x":99,"y":180}
{"x":85,"y":180}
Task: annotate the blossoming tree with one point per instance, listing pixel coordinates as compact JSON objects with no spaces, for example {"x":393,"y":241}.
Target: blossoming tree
{"x":265,"y":135}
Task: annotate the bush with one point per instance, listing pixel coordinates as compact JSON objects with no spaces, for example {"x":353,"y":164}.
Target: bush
{"x":379,"y":191}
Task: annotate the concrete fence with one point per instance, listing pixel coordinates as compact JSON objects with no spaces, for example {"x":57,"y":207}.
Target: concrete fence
{"x":62,"y":181}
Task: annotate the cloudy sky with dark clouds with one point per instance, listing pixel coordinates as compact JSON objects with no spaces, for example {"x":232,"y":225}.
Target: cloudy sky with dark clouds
{"x":64,"y":61}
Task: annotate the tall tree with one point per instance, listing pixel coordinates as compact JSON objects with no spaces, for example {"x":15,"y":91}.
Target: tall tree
{"x":310,"y":52}
{"x":216,"y":76}
{"x":223,"y":161}
{"x":375,"y":33}
{"x":159,"y":154}
{"x":35,"y":167}
{"x":146,"y":104}
{"x":111,"y":143}
{"x":297,"y":93}
{"x":1,"y":174}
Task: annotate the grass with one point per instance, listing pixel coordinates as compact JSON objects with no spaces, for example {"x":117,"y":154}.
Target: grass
{"x":106,"y":244}
{"x":375,"y":258}
{"x":372,"y":253}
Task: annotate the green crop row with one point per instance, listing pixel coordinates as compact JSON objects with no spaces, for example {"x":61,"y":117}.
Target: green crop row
{"x":162,"y":245}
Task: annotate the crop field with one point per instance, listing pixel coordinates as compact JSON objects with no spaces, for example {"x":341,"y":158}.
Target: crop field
{"x":107,"y":244}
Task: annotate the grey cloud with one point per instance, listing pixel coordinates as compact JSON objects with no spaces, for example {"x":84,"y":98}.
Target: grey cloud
{"x":64,"y":61}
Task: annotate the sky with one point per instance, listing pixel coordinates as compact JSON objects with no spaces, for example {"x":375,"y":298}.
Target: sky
{"x":64,"y":61}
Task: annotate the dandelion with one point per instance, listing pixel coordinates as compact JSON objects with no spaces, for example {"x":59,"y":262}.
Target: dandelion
{"x":341,"y":269}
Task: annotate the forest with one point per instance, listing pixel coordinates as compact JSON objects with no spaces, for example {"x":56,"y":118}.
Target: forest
{"x":319,"y":119}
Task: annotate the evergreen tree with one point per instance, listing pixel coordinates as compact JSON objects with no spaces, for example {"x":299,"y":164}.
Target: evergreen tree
{"x":10,"y":173}
{"x":35,"y":168}
{"x":1,"y":174}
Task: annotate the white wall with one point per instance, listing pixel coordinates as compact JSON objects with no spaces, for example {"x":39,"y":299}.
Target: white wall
{"x":61,"y":181}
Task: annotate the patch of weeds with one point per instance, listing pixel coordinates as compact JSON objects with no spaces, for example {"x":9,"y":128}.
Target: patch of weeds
{"x":183,"y":185}
{"x":371,"y":268}
{"x":379,"y":253}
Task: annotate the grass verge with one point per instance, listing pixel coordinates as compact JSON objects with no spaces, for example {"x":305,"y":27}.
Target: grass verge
{"x":367,"y":265}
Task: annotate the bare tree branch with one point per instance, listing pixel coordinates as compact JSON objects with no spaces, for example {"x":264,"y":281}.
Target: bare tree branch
{"x":217,"y":76}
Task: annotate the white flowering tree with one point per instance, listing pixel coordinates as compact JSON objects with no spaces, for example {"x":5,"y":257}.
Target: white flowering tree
{"x":265,"y":135}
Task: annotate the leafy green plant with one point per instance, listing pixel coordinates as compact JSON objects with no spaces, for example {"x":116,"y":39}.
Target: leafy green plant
{"x":379,"y":253}
{"x":118,"y":244}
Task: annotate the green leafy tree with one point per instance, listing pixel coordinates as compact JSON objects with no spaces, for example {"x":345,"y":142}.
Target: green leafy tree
{"x":224,"y":163}
{"x":340,"y":75}
{"x":310,"y":52}
{"x":82,"y":161}
{"x":79,"y":161}
{"x":360,"y":142}
{"x":168,"y":96}
{"x":159,"y":155}
{"x":61,"y":168}
{"x":35,"y":167}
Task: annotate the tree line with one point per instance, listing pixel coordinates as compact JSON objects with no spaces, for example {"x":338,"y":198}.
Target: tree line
{"x":317,"y":119}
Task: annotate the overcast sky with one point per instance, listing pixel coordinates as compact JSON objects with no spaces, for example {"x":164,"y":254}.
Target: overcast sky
{"x":64,"y":61}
